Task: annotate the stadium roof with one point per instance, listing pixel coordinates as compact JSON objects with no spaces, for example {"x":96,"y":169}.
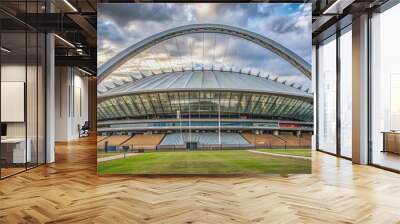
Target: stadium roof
{"x":206,"y":80}
{"x":206,"y":93}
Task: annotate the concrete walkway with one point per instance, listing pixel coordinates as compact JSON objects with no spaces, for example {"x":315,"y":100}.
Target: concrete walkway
{"x":120,"y":156}
{"x":280,"y":155}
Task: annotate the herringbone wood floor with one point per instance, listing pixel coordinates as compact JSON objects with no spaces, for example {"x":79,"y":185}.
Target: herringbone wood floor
{"x":70,"y":191}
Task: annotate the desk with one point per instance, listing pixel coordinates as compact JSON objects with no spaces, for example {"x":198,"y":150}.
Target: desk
{"x":13,"y":150}
{"x":391,"y":142}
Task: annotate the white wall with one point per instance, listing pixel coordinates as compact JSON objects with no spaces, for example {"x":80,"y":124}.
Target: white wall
{"x":12,"y":73}
{"x":80,"y":110}
{"x":61,"y":103}
{"x":33,"y":126}
{"x":71,"y":103}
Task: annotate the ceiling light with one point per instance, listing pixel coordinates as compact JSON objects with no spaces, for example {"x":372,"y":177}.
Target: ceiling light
{"x":5,"y":50}
{"x":337,"y":7}
{"x":326,"y":11}
{"x":84,"y":71}
{"x":64,"y":40}
{"x":70,"y":5}
{"x":79,"y":51}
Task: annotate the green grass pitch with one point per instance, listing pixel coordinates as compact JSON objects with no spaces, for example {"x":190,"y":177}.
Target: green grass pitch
{"x":205,"y":162}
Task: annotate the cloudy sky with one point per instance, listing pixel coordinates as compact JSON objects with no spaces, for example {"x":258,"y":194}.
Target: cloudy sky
{"x":121,"y":25}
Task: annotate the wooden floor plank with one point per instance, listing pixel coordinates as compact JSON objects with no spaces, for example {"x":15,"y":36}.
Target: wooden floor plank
{"x":70,"y":191}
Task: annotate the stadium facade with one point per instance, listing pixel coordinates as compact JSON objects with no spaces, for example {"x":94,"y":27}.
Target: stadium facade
{"x":208,"y":101}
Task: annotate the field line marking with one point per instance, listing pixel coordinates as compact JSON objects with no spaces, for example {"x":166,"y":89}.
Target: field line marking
{"x":120,"y":156}
{"x":280,"y":155}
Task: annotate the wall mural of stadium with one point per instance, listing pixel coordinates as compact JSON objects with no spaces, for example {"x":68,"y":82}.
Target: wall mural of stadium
{"x":193,"y":89}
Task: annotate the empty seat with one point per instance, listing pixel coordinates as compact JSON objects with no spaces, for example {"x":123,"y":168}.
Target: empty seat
{"x":285,"y":140}
{"x":115,"y":140}
{"x":267,"y":140}
{"x":291,"y":140}
{"x":204,"y":138}
{"x":144,"y":141}
{"x":101,"y":138}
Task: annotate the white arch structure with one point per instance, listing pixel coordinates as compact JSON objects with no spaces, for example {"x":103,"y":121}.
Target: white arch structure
{"x":112,"y":64}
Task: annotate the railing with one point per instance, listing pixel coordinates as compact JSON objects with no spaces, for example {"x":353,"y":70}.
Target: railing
{"x":182,"y":147}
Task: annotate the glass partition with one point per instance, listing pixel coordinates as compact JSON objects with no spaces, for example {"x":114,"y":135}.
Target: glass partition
{"x":385,"y":89}
{"x":41,"y":97}
{"x":31,"y":97}
{"x":327,"y":95}
{"x":14,"y":153}
{"x":22,"y":98}
{"x":346,"y":92}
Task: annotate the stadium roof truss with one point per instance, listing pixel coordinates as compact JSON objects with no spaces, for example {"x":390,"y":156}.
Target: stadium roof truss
{"x":204,"y":102}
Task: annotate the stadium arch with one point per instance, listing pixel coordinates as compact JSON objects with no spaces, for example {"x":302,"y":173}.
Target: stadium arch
{"x":115,"y":62}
